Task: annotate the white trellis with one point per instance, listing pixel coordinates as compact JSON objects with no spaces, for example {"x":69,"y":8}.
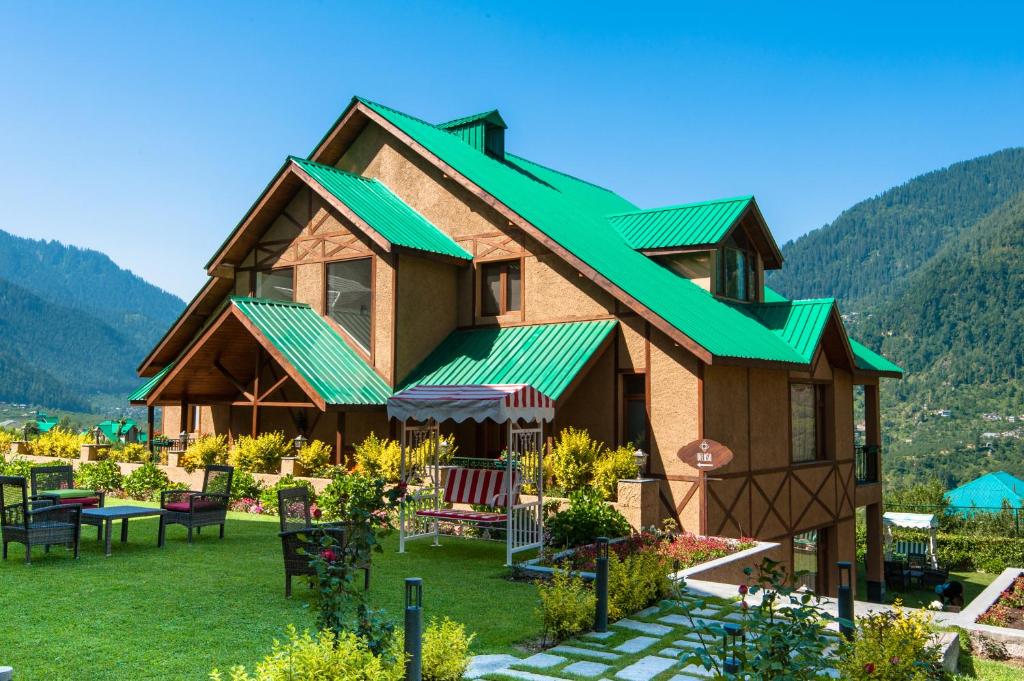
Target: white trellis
{"x":496,"y":484}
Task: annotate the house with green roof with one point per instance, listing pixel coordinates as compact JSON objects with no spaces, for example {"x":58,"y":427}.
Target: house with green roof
{"x":402,"y":253}
{"x":987,"y":494}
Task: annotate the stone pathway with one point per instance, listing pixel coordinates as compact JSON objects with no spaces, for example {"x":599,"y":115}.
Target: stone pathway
{"x":646,"y":646}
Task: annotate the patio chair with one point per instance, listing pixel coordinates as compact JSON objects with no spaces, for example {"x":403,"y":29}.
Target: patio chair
{"x":299,"y":538}
{"x":897,"y":576}
{"x":39,"y":522}
{"x":194,"y":509}
{"x":932,"y":577}
{"x":58,"y":483}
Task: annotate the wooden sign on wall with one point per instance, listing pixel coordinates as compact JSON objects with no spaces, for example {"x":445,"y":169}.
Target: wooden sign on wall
{"x":705,"y":455}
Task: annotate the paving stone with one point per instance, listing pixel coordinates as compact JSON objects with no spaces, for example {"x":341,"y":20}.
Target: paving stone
{"x":529,"y":676}
{"x":684,"y":643}
{"x":576,"y":651}
{"x":541,"y":661}
{"x":487,"y":664}
{"x":693,"y":670}
{"x":600,"y":635}
{"x":648,"y":612}
{"x":645,"y":668}
{"x":590,"y":670}
{"x":644,"y":627}
{"x":635,"y":645}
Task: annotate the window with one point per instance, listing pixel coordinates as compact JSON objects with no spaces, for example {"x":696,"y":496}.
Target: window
{"x":807,"y":421}
{"x":276,"y":284}
{"x":737,"y":274}
{"x":810,"y":553}
{"x":349,"y":298}
{"x":634,"y":404}
{"x":501,"y":288}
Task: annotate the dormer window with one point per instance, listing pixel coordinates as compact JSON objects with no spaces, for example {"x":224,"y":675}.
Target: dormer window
{"x":737,"y":270}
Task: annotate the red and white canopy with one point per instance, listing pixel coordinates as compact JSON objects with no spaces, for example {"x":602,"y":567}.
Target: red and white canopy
{"x":497,"y":402}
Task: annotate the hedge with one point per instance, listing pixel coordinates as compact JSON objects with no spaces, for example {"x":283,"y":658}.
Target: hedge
{"x":967,"y":552}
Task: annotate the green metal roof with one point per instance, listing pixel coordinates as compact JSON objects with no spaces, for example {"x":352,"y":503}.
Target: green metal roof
{"x":492,"y":117}
{"x":988,"y":492}
{"x":799,"y":323}
{"x":557,"y":206}
{"x":545,"y":356}
{"x":387,"y":214}
{"x":142,"y":392}
{"x":691,"y":224}
{"x":111,"y":428}
{"x":328,"y":364}
{"x":869,"y":360}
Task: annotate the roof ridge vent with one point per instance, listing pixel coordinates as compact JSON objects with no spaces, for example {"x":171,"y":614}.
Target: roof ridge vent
{"x":483,"y":131}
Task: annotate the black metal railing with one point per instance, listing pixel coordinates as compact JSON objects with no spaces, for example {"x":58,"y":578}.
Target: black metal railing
{"x":867,"y":463}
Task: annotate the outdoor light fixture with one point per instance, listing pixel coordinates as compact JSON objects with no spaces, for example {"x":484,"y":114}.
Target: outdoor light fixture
{"x":183,"y":439}
{"x":730,"y":642}
{"x":413,"y":629}
{"x":845,"y":598}
{"x":640,"y":457}
{"x":96,"y":434}
{"x":601,"y":585}
{"x":299,"y":442}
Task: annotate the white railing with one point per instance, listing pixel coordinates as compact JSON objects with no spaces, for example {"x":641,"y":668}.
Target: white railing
{"x":525,"y":522}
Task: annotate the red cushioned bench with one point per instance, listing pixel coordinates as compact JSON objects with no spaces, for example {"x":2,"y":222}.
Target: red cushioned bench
{"x":476,"y":486}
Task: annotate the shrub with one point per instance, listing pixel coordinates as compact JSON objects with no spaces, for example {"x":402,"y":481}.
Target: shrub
{"x":58,"y":442}
{"x":445,"y":650}
{"x":612,"y":466}
{"x":573,"y":458}
{"x":894,"y":646}
{"x":635,"y":582}
{"x":130,"y":452}
{"x":315,"y":457}
{"x":973,"y":552}
{"x":379,"y":457}
{"x":567,"y":606}
{"x":6,"y":438}
{"x":206,"y":450}
{"x":327,"y":657}
{"x":102,"y":476}
{"x":261,"y":454}
{"x":146,"y":483}
{"x":245,"y":486}
{"x":17,"y":466}
{"x":587,"y":518}
{"x":268,"y":497}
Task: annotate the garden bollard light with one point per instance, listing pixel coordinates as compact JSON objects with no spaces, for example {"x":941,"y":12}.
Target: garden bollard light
{"x":845,"y":599}
{"x":730,"y":641}
{"x":601,"y":585}
{"x":413,"y":629}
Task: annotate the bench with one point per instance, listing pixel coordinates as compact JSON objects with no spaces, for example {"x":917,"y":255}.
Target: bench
{"x":485,"y":487}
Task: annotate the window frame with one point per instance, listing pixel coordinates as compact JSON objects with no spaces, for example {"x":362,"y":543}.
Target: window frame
{"x":822,"y":451}
{"x":626,"y":398}
{"x":256,"y":272}
{"x":503,"y":311}
{"x":367,"y":353}
{"x":750,"y":274}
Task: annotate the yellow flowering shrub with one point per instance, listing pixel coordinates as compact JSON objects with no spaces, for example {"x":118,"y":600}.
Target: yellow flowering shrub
{"x":206,"y":450}
{"x":612,"y":466}
{"x":58,"y":442}
{"x":891,"y":646}
{"x":314,"y":456}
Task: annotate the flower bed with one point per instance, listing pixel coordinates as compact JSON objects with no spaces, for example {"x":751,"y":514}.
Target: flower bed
{"x":1008,"y":611}
{"x":687,"y":549}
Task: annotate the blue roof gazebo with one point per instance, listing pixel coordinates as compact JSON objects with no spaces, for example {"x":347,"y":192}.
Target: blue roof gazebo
{"x":987,"y":493}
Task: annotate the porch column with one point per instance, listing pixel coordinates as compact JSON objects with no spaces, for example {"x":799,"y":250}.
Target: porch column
{"x":183,"y":417}
{"x":339,"y":439}
{"x":150,"y":417}
{"x":875,"y":558}
{"x":872,"y":415}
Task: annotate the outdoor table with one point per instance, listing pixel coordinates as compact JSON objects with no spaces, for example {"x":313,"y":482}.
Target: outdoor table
{"x":111,"y":513}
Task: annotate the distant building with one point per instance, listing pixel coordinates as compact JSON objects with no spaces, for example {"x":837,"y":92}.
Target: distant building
{"x":987,"y":493}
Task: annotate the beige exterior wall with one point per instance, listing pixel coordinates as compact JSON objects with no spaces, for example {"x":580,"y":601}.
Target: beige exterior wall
{"x":427,"y":299}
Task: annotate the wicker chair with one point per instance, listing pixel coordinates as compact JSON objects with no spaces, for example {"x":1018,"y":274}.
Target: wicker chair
{"x":194,"y":509}
{"x":61,"y":480}
{"x":897,"y":576}
{"x":27,"y":521}
{"x":299,"y":536}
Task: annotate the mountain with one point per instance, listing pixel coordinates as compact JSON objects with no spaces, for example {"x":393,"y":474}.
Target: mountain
{"x":872,"y":248}
{"x":74,"y":325}
{"x":932,"y":274}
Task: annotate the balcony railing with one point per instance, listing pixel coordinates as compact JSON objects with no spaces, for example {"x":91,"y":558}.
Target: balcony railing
{"x":867,"y":463}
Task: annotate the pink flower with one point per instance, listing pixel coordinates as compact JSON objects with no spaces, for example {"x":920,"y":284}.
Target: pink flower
{"x":869,"y":668}
{"x":744,"y":605}
{"x":328,"y":555}
{"x":743,"y":589}
{"x":315,"y":511}
{"x":894,"y":660}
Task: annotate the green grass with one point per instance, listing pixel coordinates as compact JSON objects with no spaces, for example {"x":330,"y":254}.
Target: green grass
{"x":147,"y":613}
{"x":974,"y":583}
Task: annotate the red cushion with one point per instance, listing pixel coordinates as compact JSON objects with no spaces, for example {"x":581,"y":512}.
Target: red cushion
{"x":86,"y":502}
{"x":455,"y":514}
{"x":200,"y":505}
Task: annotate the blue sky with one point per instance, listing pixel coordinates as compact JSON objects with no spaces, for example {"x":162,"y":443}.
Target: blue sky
{"x":145,"y":130}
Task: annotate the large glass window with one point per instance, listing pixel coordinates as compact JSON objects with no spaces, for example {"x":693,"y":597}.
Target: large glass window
{"x":276,"y":284}
{"x":634,"y":400}
{"x":501,"y":289}
{"x":806,"y":558}
{"x":349,"y":299}
{"x":807,"y":422}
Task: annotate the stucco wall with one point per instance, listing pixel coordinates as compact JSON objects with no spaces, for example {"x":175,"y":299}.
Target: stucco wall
{"x":426,"y":308}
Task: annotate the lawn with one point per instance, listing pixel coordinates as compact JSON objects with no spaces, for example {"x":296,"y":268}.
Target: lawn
{"x":974,"y":583}
{"x":147,"y":613}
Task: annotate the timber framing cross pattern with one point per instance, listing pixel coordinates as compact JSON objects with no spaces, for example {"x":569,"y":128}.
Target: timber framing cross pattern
{"x":608,"y":292}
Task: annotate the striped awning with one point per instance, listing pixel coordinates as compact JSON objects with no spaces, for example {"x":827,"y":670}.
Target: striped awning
{"x":495,"y":402}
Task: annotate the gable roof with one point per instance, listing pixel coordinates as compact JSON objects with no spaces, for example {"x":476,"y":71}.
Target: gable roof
{"x":800,"y":323}
{"x":142,"y":392}
{"x":587,"y":239}
{"x":691,"y":225}
{"x":492,"y":117}
{"x":547,"y":357}
{"x":384,"y":212}
{"x":989,"y":491}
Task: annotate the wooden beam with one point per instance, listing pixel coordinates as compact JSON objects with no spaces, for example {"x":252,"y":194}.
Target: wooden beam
{"x":256,"y":391}
{"x":233,"y":381}
{"x":283,"y":405}
{"x":339,"y":438}
{"x":272,"y":388}
{"x":150,"y":416}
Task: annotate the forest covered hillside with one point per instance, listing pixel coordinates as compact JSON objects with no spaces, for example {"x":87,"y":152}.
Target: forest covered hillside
{"x":938,"y":286}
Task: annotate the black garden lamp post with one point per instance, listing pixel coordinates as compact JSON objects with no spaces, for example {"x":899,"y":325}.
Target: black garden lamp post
{"x":299,"y":442}
{"x":183,"y":440}
{"x":730,"y":642}
{"x":601,"y":585}
{"x":845,"y":593}
{"x":413,"y":629}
